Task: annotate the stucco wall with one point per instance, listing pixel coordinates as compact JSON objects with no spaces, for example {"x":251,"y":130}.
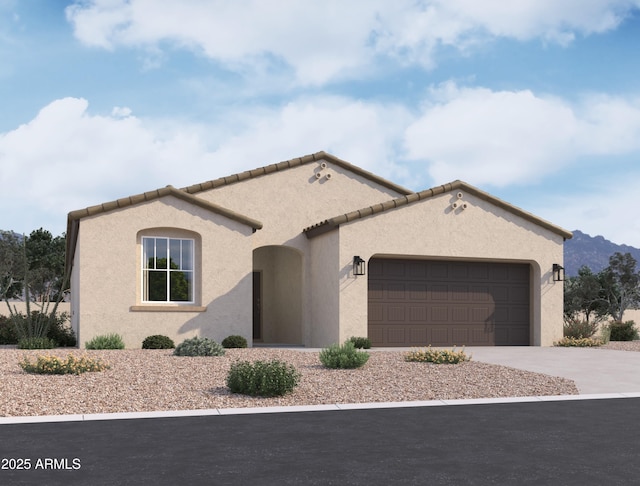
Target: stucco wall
{"x":108,"y":268}
{"x":431,"y":229}
{"x":288,"y":201}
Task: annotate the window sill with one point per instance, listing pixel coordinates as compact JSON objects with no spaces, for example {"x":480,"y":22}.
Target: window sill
{"x":167,"y":308}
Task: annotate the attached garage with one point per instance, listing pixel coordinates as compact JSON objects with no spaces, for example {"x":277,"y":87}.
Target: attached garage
{"x":413,"y":302}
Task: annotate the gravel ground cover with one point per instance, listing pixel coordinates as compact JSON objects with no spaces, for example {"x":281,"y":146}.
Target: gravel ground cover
{"x":155,"y":380}
{"x":622,"y":345}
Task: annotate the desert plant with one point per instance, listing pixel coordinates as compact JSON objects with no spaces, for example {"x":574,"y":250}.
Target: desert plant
{"x":578,"y":328}
{"x":234,"y":341}
{"x":623,"y":331}
{"x":106,"y":341}
{"x":605,"y":333}
{"x":13,"y":329}
{"x":361,"y":342}
{"x":262,"y":378}
{"x":578,"y":342}
{"x":158,"y":341}
{"x":437,"y":356}
{"x":198,"y":346}
{"x":36,"y":343}
{"x":53,"y":365}
{"x":343,"y":357}
{"x":7,"y":331}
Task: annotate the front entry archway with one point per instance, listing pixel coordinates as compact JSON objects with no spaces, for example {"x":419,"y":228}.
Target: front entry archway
{"x":277,"y":295}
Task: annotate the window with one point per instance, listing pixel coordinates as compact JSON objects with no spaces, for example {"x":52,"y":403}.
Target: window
{"x":167,"y":270}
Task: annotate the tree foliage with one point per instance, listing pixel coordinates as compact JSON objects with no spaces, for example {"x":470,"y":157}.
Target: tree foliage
{"x":32,"y":269}
{"x":621,"y":283}
{"x":608,"y":293}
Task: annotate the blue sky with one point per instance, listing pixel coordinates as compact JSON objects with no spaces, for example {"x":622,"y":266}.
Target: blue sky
{"x":534,"y":101}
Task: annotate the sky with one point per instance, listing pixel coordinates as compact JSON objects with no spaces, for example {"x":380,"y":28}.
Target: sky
{"x":534,"y":101}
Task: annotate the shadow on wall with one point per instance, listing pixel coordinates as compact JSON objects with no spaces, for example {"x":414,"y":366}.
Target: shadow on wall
{"x":231,"y":313}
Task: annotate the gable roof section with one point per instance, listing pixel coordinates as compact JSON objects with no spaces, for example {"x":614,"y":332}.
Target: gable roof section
{"x":332,"y":223}
{"x":74,"y":217}
{"x":289,"y":164}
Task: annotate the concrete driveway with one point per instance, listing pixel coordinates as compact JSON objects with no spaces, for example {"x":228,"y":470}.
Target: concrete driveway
{"x":593,"y":370}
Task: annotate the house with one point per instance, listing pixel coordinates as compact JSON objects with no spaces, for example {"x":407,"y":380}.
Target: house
{"x":311,"y":251}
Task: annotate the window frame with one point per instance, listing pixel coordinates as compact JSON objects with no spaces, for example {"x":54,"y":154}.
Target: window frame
{"x":144,"y":270}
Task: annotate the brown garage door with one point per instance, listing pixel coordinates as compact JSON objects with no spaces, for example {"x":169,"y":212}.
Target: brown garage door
{"x":443,"y":303}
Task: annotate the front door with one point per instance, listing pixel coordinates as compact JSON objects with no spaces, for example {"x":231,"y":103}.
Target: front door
{"x":257,"y":306}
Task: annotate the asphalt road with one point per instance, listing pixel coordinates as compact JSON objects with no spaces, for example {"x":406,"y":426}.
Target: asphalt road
{"x":579,"y":442}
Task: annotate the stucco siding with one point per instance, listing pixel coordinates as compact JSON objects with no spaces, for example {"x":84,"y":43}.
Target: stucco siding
{"x":433,"y":229}
{"x":324,"y":291}
{"x":109,"y":274}
{"x":288,"y":201}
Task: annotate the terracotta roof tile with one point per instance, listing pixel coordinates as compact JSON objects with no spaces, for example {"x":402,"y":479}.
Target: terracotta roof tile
{"x":332,"y":223}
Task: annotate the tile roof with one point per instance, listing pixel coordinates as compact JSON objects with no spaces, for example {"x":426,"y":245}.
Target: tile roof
{"x":74,"y":217}
{"x":332,"y":223}
{"x":291,"y":163}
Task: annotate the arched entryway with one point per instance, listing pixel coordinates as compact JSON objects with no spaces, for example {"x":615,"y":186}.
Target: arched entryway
{"x":277,"y":295}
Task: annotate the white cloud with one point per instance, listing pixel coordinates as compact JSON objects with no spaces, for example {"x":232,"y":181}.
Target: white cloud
{"x":67,"y":158}
{"x":503,"y":137}
{"x":324,"y":41}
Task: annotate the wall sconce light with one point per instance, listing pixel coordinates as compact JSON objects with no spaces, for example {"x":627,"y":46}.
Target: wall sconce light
{"x":558,"y":272}
{"x":358,"y":265}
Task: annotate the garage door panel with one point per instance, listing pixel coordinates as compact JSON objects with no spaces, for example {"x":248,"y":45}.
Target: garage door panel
{"x":422,"y":302}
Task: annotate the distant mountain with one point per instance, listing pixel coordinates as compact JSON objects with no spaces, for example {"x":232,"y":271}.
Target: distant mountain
{"x":592,"y":251}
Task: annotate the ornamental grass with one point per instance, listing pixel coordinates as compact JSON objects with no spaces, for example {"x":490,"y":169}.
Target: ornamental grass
{"x":437,"y":356}
{"x":54,"y":365}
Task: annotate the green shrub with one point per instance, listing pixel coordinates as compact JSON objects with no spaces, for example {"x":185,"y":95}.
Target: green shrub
{"x":361,"y":342}
{"x":36,"y":343}
{"x":158,"y":341}
{"x":198,"y":346}
{"x":53,"y":365}
{"x":437,"y":356}
{"x":59,"y":330}
{"x":578,"y":329}
{"x":343,"y":357}
{"x":106,"y":341}
{"x":623,"y":331}
{"x":7,"y":331}
{"x":234,"y":341}
{"x":605,"y":333}
{"x":266,"y":379}
{"x":578,"y":342}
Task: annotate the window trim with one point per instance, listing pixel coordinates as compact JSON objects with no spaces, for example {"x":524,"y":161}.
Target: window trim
{"x":167,"y":303}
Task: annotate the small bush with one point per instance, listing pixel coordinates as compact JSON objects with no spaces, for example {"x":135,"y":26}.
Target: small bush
{"x":343,"y":357}
{"x":605,"y":333}
{"x":266,"y":379}
{"x":198,"y":346}
{"x":578,"y":329}
{"x":623,"y":331}
{"x":437,"y":356}
{"x":52,"y":365}
{"x":59,"y":330}
{"x":106,"y":341}
{"x":234,"y":342}
{"x":578,"y":342}
{"x":36,"y":343}
{"x":361,"y":342}
{"x":7,"y":331}
{"x":158,"y":341}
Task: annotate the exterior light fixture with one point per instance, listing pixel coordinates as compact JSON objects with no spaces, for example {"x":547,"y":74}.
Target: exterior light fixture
{"x":558,"y":272}
{"x":358,"y":265}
